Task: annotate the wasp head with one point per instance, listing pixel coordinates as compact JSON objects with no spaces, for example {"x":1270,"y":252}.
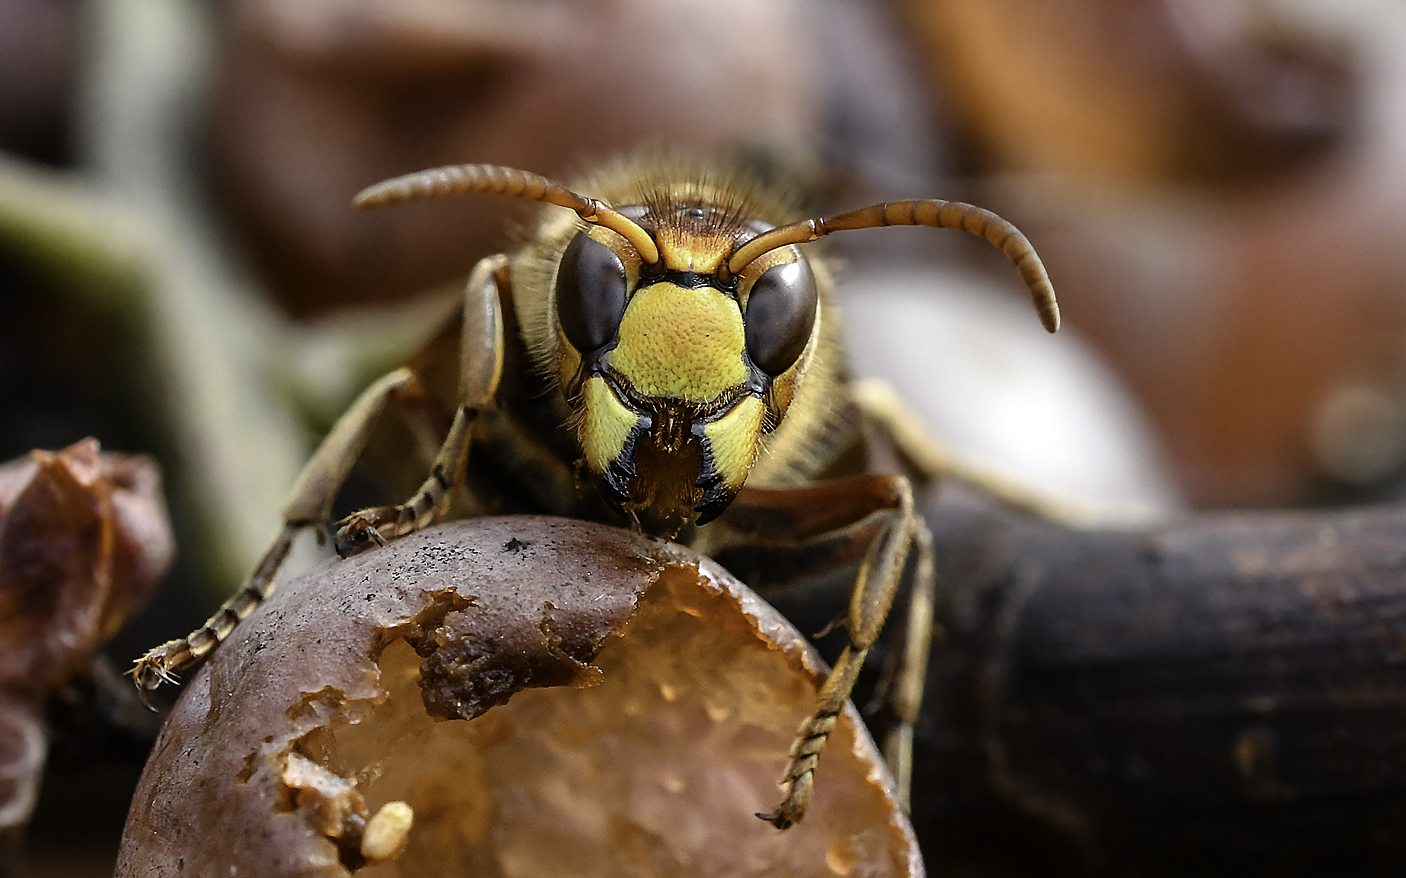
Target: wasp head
{"x":681,"y":328}
{"x":678,"y":368}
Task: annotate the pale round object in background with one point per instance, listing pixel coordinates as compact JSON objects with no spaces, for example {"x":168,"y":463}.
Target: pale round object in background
{"x":974,"y":363}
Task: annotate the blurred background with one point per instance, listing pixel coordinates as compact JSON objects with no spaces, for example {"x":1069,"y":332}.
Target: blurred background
{"x":1218,"y":188}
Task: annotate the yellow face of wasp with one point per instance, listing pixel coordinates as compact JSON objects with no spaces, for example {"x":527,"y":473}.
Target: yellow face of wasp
{"x":681,"y":372}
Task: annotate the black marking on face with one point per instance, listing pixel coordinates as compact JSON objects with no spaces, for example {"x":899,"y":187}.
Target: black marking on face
{"x":693,"y":280}
{"x":716,"y":497}
{"x":615,"y":481}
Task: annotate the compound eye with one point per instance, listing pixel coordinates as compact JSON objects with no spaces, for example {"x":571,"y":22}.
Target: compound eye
{"x":780,"y":316}
{"x":590,"y":293}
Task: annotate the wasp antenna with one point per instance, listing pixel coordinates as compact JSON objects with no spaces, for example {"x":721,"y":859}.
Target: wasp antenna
{"x":933,"y":212}
{"x":499,"y":180}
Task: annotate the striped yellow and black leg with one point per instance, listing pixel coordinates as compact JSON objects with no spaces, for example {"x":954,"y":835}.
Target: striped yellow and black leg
{"x":308,"y":505}
{"x":310,"y":502}
{"x":480,"y":370}
{"x":900,"y":692}
{"x":870,"y":517}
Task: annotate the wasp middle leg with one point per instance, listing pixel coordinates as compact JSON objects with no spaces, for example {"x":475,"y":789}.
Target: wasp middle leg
{"x":932,"y":460}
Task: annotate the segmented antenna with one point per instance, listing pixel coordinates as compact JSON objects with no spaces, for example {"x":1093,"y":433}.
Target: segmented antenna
{"x":933,"y":212}
{"x":499,"y":180}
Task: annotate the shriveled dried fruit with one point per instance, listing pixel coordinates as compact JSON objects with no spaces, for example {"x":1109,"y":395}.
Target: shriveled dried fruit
{"x":510,"y":696}
{"x":84,"y":538}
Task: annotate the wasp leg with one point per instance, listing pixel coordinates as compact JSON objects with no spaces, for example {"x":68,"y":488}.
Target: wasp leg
{"x":308,"y":505}
{"x":932,"y":459}
{"x":480,"y":371}
{"x":374,"y":526}
{"x":875,"y":512}
{"x":900,"y":693}
{"x":310,"y":501}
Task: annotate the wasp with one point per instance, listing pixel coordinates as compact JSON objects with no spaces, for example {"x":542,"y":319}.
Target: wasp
{"x":662,"y":354}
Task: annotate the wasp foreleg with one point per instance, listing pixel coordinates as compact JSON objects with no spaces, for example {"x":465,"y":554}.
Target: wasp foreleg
{"x":480,"y":371}
{"x":310,"y":502}
{"x":308,"y":505}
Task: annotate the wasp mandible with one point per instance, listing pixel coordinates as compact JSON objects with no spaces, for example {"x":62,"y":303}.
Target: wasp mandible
{"x":661,"y":355}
